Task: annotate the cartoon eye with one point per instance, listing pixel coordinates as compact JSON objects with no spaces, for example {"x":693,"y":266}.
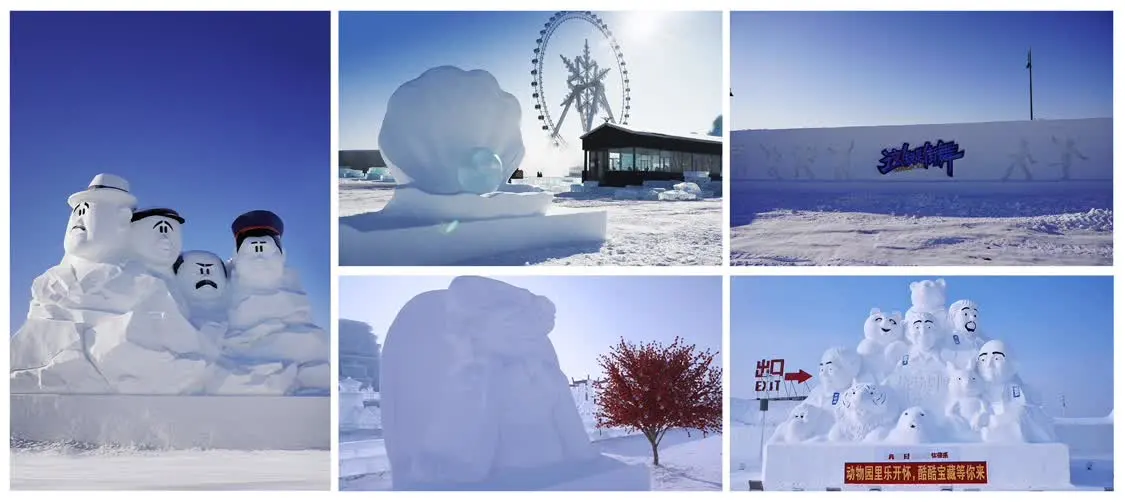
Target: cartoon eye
{"x":893,"y":322}
{"x":923,"y":414}
{"x":203,"y":271}
{"x":878,"y":320}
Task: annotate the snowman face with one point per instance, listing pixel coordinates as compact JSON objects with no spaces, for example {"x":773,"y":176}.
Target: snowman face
{"x":202,"y":277}
{"x":157,"y":241}
{"x":883,"y":327}
{"x":259,"y":263}
{"x":97,"y":230}
{"x":834,"y":371}
{"x":965,"y":320}
{"x":993,"y":366}
{"x":923,"y":330}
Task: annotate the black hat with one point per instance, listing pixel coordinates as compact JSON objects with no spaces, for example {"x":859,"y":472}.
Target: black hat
{"x":257,"y":223}
{"x":158,"y":212}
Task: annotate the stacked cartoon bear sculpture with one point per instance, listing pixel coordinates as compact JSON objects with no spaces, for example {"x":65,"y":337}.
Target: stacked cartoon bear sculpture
{"x":127,"y":311}
{"x":929,"y":376}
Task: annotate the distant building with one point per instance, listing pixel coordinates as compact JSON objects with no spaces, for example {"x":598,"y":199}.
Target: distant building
{"x":360,"y":159}
{"x":616,"y":155}
{"x":359,"y":353}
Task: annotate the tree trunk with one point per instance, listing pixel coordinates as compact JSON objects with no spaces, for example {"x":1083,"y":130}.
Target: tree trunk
{"x":655,"y":453}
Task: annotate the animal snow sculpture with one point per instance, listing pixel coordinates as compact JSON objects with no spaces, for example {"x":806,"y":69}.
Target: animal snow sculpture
{"x":965,"y":409}
{"x":913,"y":428}
{"x":864,"y":414}
{"x":802,"y":425}
{"x":471,"y":387}
{"x":928,"y":296}
{"x":882,"y":343}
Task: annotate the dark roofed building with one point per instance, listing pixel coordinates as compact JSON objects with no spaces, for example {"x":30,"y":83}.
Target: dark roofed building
{"x":361,"y":159}
{"x":616,"y":155}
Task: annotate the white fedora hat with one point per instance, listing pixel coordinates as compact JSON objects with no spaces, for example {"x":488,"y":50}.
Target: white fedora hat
{"x":105,"y":187}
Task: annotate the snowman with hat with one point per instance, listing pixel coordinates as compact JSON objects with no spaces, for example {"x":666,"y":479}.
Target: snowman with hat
{"x":101,"y":319}
{"x":270,"y":318}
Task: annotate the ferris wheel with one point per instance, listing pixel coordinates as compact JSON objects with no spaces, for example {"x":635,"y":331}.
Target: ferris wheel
{"x":585,"y":80}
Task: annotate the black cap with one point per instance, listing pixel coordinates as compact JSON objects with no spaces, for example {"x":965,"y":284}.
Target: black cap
{"x":257,"y":223}
{"x":157,"y":212}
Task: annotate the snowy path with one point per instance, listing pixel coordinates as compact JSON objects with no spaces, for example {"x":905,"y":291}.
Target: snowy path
{"x":174,"y":470}
{"x":849,"y":238}
{"x":639,"y":232}
{"x":688,"y":463}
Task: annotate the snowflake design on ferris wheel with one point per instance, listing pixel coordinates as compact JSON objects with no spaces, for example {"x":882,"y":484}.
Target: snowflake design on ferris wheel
{"x":585,"y":81}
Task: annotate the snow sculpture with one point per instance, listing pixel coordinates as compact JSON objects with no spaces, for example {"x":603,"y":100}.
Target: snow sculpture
{"x":452,"y":140}
{"x":965,"y":409}
{"x":101,"y":321}
{"x":270,"y":326}
{"x":472,"y":392}
{"x":802,"y":425}
{"x":459,"y":163}
{"x":201,"y":279}
{"x":157,"y":238}
{"x":913,"y":428}
{"x":1015,"y":416}
{"x":882,"y":345}
{"x":864,"y":414}
{"x":965,"y":336}
{"x":928,"y":296}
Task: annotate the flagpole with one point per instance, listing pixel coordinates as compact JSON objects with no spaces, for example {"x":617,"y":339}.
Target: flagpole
{"x":1030,"y":88}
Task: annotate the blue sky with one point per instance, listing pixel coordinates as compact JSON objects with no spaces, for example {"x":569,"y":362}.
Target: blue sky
{"x":675,"y":62}
{"x":831,"y":69}
{"x":1054,"y":325}
{"x":211,"y":114}
{"x":592,"y":312}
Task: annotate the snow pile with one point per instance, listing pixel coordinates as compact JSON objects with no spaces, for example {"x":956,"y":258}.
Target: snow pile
{"x":126,"y":312}
{"x":637,"y":194}
{"x":929,"y":376}
{"x":472,"y":395}
{"x":351,"y":173}
{"x":1097,"y":220}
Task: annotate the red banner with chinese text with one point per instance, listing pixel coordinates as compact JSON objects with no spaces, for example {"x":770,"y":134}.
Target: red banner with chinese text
{"x":941,"y":472}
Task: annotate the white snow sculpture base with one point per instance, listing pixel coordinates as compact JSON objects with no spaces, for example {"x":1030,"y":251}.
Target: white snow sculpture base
{"x":1011,"y":467}
{"x":175,"y":422}
{"x":413,"y":205}
{"x":374,"y":239}
{"x":602,"y":473}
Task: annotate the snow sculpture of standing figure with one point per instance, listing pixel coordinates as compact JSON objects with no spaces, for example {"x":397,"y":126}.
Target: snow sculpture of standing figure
{"x":965,"y":409}
{"x":270,"y":317}
{"x":471,"y":388}
{"x":882,"y":343}
{"x":202,"y":279}
{"x":965,"y":337}
{"x":1016,"y":416}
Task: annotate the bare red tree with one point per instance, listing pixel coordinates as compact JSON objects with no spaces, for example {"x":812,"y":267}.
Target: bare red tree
{"x":653,"y":388}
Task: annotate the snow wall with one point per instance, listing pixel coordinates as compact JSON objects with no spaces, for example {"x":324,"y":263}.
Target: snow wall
{"x":175,"y":422}
{"x":1078,"y":150}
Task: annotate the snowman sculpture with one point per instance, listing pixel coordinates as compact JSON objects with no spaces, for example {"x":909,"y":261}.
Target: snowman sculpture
{"x":269,"y":317}
{"x":102,"y":321}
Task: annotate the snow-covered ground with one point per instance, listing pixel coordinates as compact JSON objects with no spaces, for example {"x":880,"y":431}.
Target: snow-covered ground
{"x":864,"y":228}
{"x":57,"y":467}
{"x":689,"y":461}
{"x":1089,"y":470}
{"x":638,"y":232}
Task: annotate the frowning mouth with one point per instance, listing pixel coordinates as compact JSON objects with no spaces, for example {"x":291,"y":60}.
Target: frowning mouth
{"x":81,"y":227}
{"x":206,"y":282}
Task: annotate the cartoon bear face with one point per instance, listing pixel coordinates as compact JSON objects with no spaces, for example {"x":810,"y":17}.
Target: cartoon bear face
{"x":913,"y":418}
{"x":928,"y":295}
{"x":883,"y":327}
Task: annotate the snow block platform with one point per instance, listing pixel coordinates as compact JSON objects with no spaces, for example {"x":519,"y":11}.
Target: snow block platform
{"x":175,"y":422}
{"x":367,"y":240}
{"x":601,"y":473}
{"x":1009,"y":467}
